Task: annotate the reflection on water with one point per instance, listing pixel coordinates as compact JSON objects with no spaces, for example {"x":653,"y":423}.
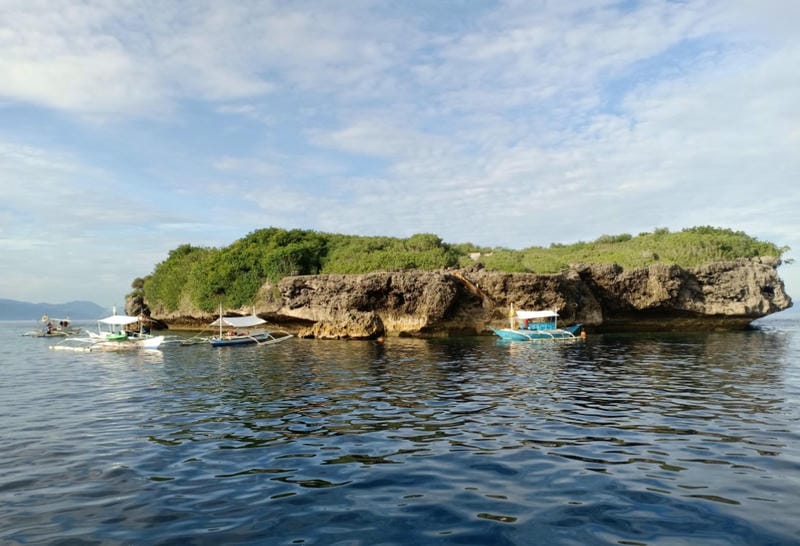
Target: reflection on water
{"x":631,"y":439}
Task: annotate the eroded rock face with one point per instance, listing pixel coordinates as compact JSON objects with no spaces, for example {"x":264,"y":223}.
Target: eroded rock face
{"x":720,"y":295}
{"x":472,"y":301}
{"x":136,"y":307}
{"x":413,"y":302}
{"x":468,"y":302}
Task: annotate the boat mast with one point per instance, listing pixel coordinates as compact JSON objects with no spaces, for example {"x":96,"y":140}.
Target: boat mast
{"x":220,"y":319}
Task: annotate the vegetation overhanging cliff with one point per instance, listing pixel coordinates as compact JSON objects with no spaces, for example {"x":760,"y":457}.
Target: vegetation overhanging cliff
{"x":335,"y":286}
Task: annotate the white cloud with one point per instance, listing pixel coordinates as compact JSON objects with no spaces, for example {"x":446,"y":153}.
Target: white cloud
{"x":524,"y":55}
{"x":53,"y":55}
{"x":382,"y":139}
{"x":64,"y":224}
{"x":107,"y":59}
{"x":250,"y":166}
{"x":774,"y":20}
{"x":250,"y":111}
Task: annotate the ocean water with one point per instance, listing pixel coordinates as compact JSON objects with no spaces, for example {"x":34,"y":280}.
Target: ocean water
{"x":619,"y":439}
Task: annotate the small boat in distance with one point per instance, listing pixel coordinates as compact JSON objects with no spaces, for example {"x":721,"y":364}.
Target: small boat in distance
{"x":234,"y":331}
{"x":537,"y":326}
{"x":54,"y":327}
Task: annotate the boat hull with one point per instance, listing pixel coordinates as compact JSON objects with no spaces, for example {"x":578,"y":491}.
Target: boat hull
{"x":54,"y":333}
{"x":570,"y":332}
{"x":92,"y":344}
{"x":261,"y":338}
{"x":233,"y":341}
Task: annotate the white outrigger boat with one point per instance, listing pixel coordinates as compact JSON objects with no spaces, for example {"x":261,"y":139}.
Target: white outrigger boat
{"x":234,"y":331}
{"x":112,"y":335}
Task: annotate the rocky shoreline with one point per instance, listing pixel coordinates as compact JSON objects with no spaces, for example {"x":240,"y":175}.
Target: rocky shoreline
{"x":453,"y":302}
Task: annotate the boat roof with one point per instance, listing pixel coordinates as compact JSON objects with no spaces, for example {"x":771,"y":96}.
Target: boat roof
{"x":536,"y":314}
{"x":119,"y":320}
{"x":239,"y":322}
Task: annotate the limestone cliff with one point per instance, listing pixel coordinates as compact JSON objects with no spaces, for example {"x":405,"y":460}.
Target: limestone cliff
{"x":471,"y":301}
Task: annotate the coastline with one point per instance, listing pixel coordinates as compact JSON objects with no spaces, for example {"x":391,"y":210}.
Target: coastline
{"x":453,"y":302}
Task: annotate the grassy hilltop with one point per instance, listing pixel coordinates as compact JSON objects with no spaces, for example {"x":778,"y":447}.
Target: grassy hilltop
{"x":200,"y":276}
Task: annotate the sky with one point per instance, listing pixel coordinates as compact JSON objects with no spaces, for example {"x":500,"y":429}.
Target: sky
{"x":128,"y":128}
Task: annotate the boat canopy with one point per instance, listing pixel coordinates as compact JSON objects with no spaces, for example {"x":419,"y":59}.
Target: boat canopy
{"x":45,"y":318}
{"x":119,"y":320}
{"x":536,"y":314}
{"x":239,"y":322}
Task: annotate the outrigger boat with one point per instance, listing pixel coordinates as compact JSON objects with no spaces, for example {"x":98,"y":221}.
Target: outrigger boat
{"x":244,"y":331}
{"x":537,"y":326}
{"x":112,"y":335}
{"x":54,"y":327}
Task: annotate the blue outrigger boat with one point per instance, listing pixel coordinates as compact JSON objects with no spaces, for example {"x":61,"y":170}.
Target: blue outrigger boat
{"x":537,"y":326}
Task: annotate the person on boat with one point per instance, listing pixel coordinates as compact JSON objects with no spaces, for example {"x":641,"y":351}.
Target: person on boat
{"x":144,"y":323}
{"x":49,"y":328}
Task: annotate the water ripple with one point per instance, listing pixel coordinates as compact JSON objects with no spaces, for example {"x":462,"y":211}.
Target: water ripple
{"x":618,"y":440}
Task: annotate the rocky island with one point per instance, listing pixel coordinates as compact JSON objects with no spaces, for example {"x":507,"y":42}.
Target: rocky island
{"x":471,"y":300}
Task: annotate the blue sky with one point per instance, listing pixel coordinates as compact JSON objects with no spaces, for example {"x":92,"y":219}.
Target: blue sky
{"x":128,"y":128}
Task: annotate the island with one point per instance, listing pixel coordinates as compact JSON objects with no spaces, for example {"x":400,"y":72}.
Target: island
{"x":469,"y":294}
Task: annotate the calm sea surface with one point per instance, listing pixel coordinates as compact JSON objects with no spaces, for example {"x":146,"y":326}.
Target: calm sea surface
{"x":620,"y":439}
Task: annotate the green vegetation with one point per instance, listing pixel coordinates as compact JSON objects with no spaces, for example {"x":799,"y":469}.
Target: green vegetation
{"x":690,"y":247}
{"x":201,"y":277}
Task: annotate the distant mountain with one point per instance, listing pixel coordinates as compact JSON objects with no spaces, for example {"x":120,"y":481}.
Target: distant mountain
{"x":75,"y":310}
